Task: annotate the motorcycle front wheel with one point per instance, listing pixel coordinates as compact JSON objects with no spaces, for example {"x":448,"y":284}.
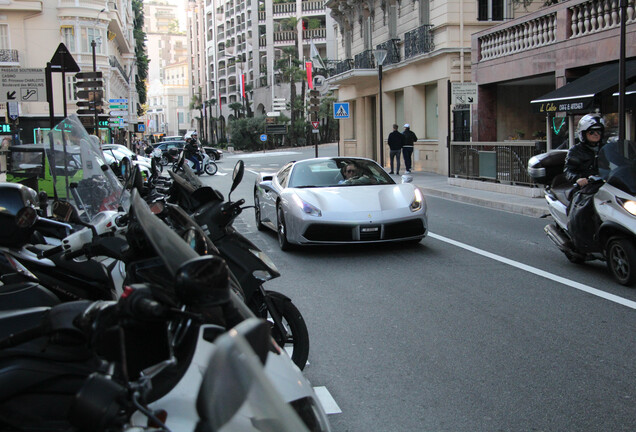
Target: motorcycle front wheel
{"x":297,"y":342}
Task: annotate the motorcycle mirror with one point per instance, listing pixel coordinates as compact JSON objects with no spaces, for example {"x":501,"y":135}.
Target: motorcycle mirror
{"x":65,"y":211}
{"x":26,"y":217}
{"x":237,"y":176}
{"x":203,"y":281}
{"x":124,"y":168}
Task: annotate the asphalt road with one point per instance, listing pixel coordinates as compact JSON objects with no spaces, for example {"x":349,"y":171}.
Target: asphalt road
{"x":483,"y":326}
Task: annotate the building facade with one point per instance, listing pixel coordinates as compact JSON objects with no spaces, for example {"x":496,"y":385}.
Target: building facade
{"x":428,"y":45}
{"x":30,"y":33}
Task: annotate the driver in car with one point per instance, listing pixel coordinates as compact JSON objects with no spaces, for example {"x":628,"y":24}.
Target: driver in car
{"x":352,"y":174}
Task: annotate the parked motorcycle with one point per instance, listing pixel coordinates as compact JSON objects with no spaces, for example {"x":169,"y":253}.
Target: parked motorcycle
{"x":207,"y":164}
{"x":248,"y":263}
{"x":609,"y":233}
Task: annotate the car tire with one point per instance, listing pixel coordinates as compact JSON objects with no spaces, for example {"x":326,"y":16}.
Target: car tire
{"x":281,"y":230}
{"x":298,"y":341}
{"x":257,"y":213}
{"x":621,"y":260}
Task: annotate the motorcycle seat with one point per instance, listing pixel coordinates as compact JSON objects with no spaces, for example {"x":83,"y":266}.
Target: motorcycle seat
{"x":14,"y":321}
{"x":25,"y":295}
{"x":562,"y":189}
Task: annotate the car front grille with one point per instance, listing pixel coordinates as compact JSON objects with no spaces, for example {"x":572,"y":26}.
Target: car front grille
{"x":363,"y":233}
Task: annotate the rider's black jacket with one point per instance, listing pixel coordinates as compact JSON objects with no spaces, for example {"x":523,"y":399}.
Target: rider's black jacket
{"x":581,"y":162}
{"x":191,"y":148}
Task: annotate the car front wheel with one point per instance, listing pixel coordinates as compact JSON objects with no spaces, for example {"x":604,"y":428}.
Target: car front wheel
{"x":282,"y":230}
{"x":621,"y":260}
{"x":257,"y":213}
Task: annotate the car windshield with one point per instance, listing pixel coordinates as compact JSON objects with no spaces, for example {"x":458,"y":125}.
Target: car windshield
{"x":98,"y":188}
{"x":331,"y":172}
{"x":617,"y":165}
{"x":122,"y":149}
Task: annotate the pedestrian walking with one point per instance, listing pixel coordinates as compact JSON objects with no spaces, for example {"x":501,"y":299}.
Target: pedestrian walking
{"x":396,"y":141}
{"x":407,"y":149}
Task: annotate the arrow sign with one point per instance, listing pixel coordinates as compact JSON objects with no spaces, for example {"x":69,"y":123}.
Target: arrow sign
{"x":118,"y":106}
{"x":118,"y":113}
{"x":88,"y":75}
{"x":11,"y":95}
{"x":116,"y":101}
{"x":88,"y":94}
{"x":86,"y":84}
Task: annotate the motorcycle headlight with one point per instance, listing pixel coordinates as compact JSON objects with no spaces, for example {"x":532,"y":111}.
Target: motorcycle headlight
{"x":628,"y":205}
{"x":418,"y":201}
{"x":306,"y":207}
{"x":261,"y":274}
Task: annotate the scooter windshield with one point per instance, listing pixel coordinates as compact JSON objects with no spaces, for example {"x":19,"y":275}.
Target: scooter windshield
{"x":617,"y":165}
{"x":75,"y":155}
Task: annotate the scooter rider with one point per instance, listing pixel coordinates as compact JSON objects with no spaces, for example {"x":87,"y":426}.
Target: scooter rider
{"x":191,"y":152}
{"x":581,"y":162}
{"x":582,"y":159}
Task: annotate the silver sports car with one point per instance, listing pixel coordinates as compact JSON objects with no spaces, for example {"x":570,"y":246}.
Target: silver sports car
{"x":338,"y":200}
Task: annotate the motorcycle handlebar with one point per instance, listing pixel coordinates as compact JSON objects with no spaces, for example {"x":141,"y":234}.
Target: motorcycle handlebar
{"x":50,"y":252}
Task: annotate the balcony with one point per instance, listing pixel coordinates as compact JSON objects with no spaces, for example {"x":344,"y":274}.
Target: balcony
{"x":418,"y":41}
{"x":284,"y":9}
{"x":364,"y":60}
{"x":112,"y":60}
{"x":318,"y":35}
{"x":9,"y":57}
{"x":561,"y":23}
{"x":392,"y":51}
{"x":313,"y":6}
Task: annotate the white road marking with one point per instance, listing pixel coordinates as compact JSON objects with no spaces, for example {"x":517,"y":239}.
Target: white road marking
{"x":579,"y":286}
{"x":328,"y":402}
{"x":260,"y":155}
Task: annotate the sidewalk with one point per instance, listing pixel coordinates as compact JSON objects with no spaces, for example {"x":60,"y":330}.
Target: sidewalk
{"x":514,"y":199}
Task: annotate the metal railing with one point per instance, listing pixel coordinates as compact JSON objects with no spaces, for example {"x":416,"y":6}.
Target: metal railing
{"x":418,"y":41}
{"x":364,"y":60}
{"x":112,"y":60}
{"x":392,"y":51}
{"x":500,"y":162}
{"x":9,"y":56}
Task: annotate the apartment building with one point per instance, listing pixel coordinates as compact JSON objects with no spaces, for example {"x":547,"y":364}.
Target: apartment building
{"x":428,"y":46}
{"x":30,"y":33}
{"x":540,"y":73}
{"x":244,"y":38}
{"x":167,"y":47}
{"x":196,"y":30}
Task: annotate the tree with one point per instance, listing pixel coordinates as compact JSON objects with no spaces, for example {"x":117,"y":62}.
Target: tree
{"x":289,"y":67}
{"x":245,"y":133}
{"x":237,"y":107}
{"x":140,"y":54}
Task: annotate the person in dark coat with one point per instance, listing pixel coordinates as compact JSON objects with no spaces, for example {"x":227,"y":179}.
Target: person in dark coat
{"x":407,"y":149}
{"x":396,"y":141}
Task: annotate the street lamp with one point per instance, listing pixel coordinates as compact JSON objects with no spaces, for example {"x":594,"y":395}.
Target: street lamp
{"x":380,"y":56}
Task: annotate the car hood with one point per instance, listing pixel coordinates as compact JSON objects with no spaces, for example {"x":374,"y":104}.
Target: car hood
{"x":351,"y":199}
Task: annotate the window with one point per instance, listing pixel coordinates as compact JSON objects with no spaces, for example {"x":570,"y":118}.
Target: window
{"x":180,"y":101}
{"x":4,"y":37}
{"x":430,"y":94}
{"x":490,"y":10}
{"x":68,"y":35}
{"x":70,"y":86}
{"x":181,"y":118}
{"x":88,"y":35}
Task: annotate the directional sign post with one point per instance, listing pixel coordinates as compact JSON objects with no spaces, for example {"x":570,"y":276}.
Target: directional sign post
{"x":22,"y":85}
{"x":464,"y":93}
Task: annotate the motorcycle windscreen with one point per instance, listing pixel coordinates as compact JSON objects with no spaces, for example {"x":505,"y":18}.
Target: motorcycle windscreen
{"x":617,"y":165}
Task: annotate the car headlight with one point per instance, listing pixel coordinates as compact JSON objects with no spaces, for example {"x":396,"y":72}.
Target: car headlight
{"x":306,"y":207}
{"x":628,"y":205}
{"x":418,"y":201}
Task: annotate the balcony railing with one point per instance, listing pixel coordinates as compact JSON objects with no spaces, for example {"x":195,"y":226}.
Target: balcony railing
{"x":319,"y":33}
{"x":392,"y":51}
{"x":284,"y":8}
{"x":554,"y":24}
{"x":309,"y":6}
{"x":364,"y":60}
{"x":418,"y":41}
{"x":9,"y":56}
{"x":112,"y":60}
{"x":285,"y":36}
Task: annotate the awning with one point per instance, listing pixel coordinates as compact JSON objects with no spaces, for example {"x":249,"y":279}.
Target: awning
{"x":579,"y":94}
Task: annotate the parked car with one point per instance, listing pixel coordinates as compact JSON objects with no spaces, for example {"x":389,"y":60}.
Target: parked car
{"x":312,"y":202}
{"x":214,"y":153}
{"x":125,"y":150}
{"x":114,"y":154}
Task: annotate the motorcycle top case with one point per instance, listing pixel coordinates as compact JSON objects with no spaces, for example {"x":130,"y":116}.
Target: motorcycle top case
{"x":545,"y":167}
{"x":13,"y":197}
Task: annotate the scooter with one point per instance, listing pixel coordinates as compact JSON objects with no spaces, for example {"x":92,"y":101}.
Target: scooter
{"x":251,"y":266}
{"x":207,"y":164}
{"x":609,"y":233}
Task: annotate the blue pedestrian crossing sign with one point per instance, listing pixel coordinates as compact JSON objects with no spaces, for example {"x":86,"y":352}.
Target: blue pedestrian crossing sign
{"x":341,"y":110}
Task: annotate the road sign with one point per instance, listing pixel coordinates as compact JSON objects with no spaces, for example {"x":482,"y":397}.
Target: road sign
{"x":273,"y":114}
{"x":117,"y":113}
{"x":88,"y":84}
{"x":89,"y":111}
{"x":22,"y":84}
{"x":118,"y":106}
{"x":315,"y":124}
{"x":88,"y":75}
{"x":277,"y":129}
{"x":463,"y":93}
{"x":314,"y":108}
{"x":90,"y":94}
{"x":341,"y":110}
{"x":116,"y":101}
{"x":13,"y":110}
{"x":141,"y":127}
{"x":263,"y":137}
